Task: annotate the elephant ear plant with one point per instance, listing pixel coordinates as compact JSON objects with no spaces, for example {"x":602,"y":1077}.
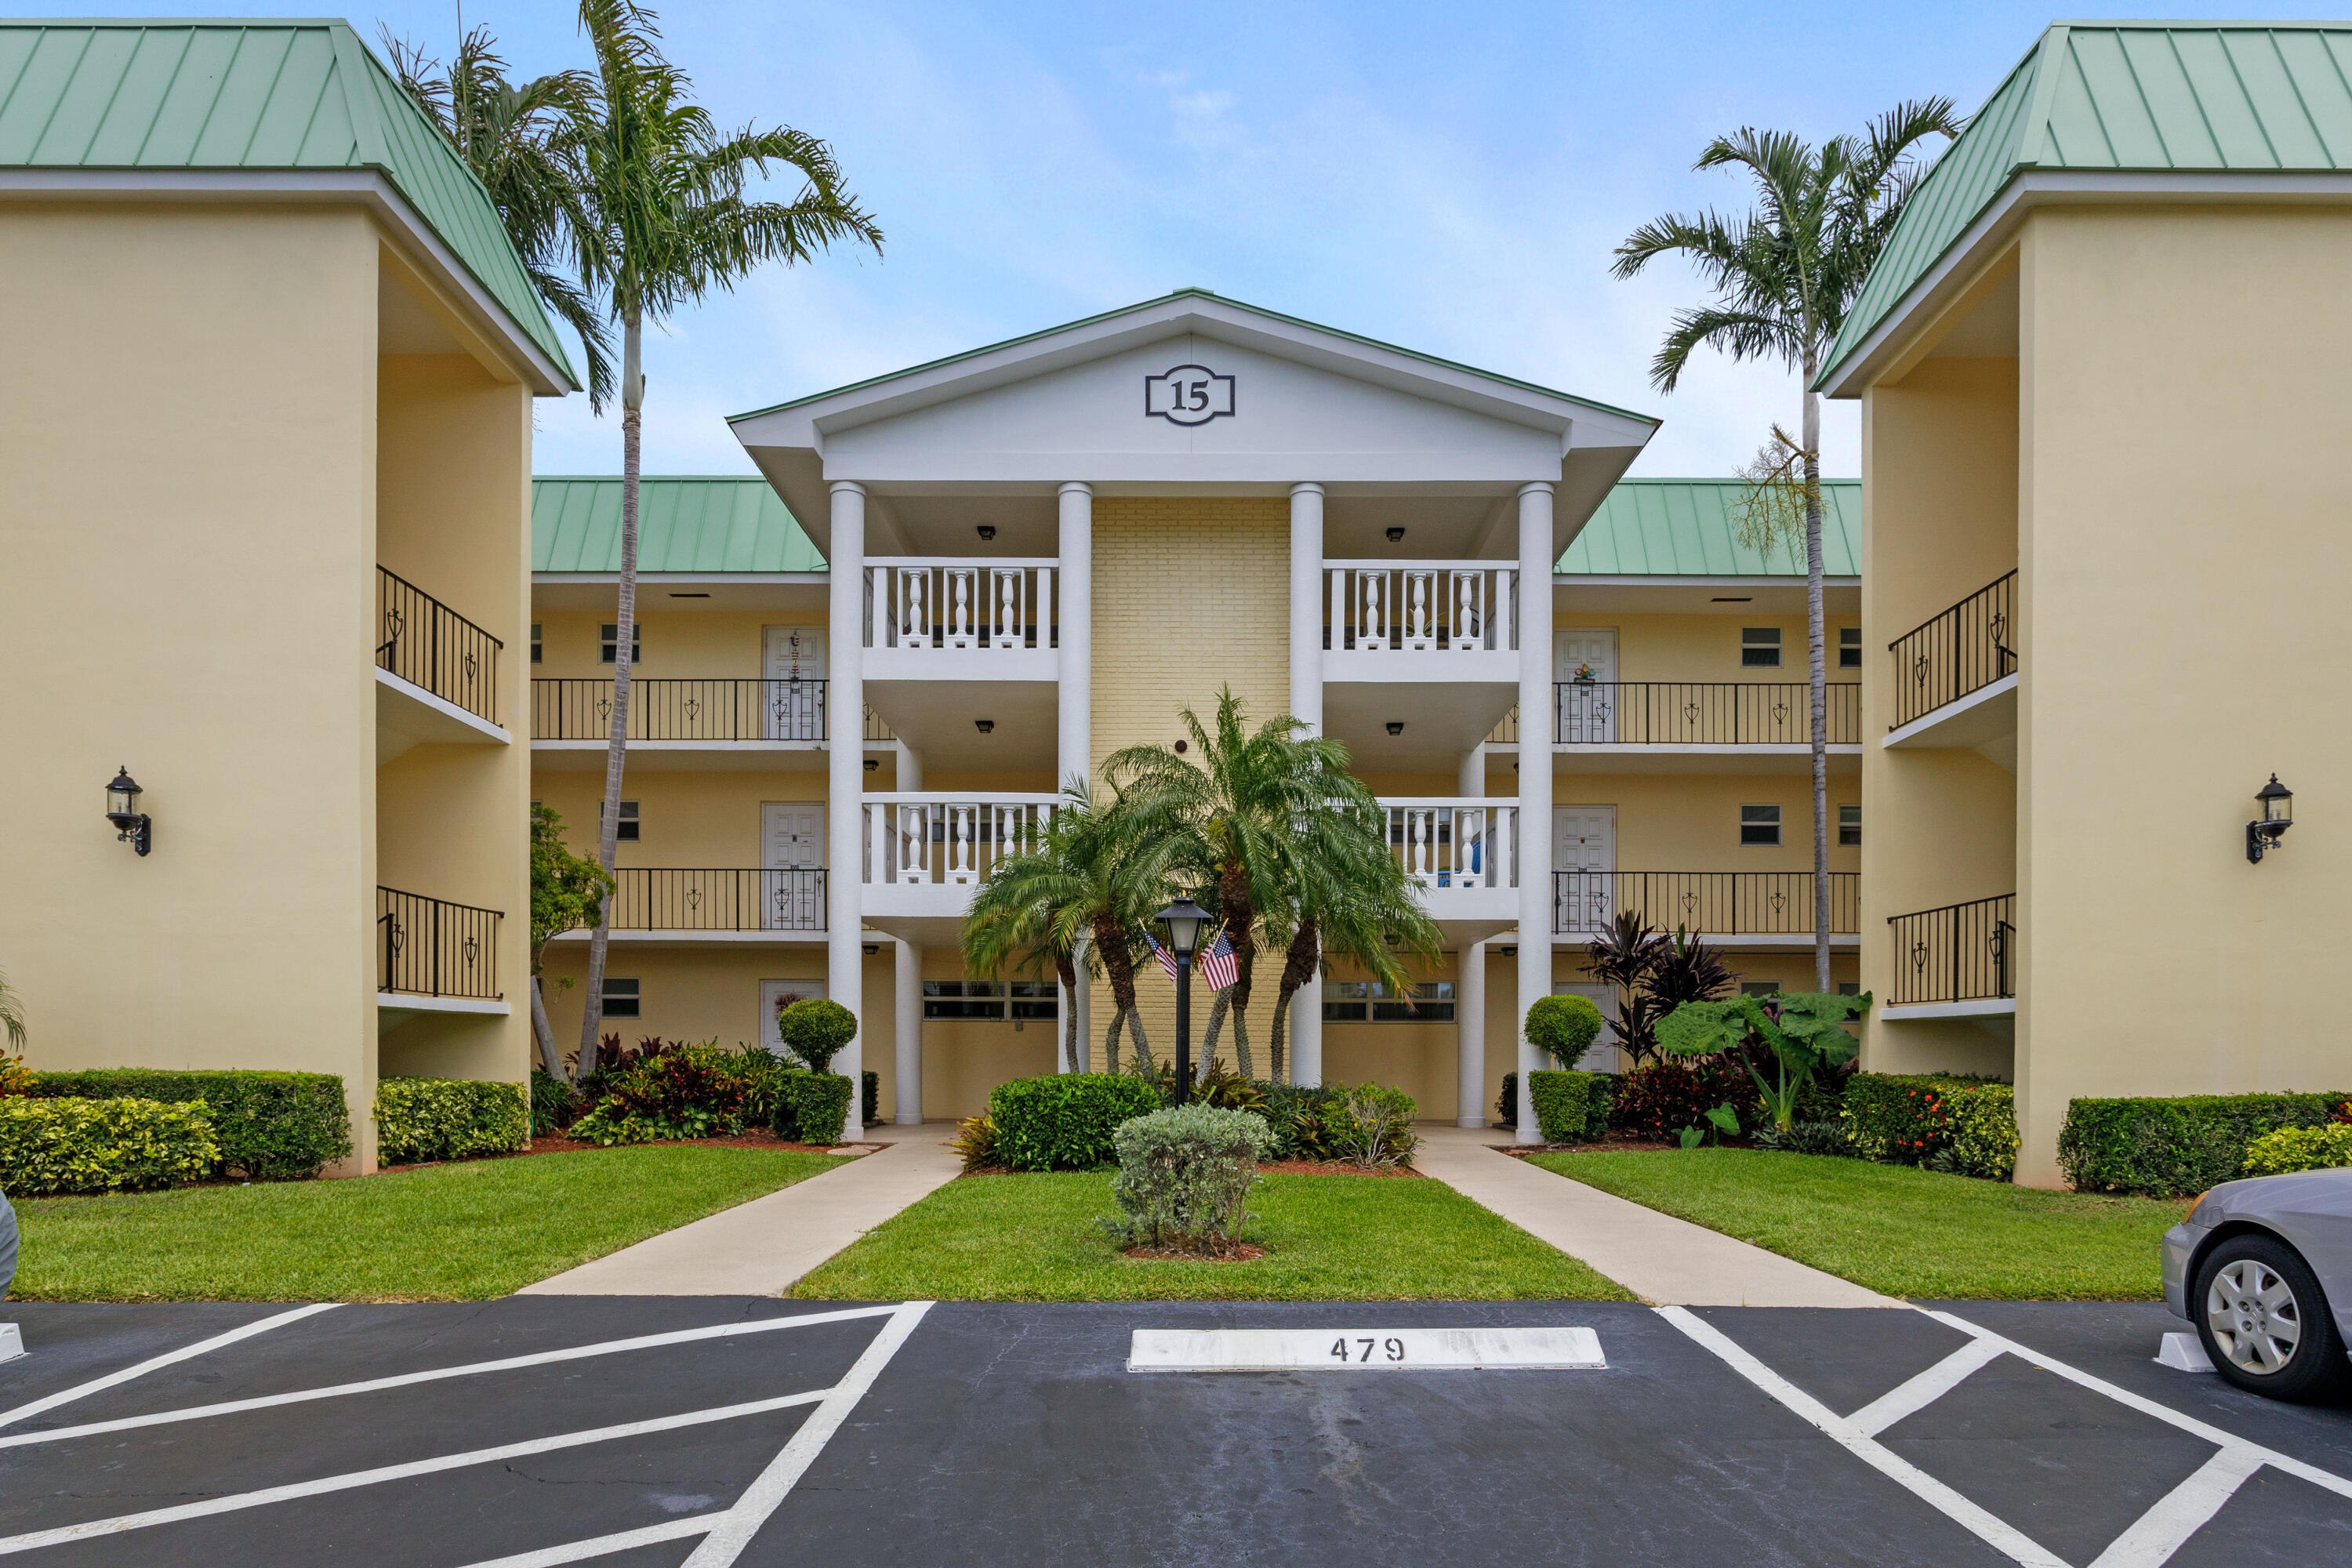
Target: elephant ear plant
{"x":1802,"y":1032}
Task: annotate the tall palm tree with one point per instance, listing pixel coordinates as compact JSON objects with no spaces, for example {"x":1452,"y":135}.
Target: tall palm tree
{"x":511,"y":134}
{"x":1346,"y":899}
{"x":1783,"y":277}
{"x":665,"y":216}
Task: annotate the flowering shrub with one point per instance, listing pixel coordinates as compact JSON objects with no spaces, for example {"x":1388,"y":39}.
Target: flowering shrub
{"x":687,"y":1091}
{"x":1967,"y":1126}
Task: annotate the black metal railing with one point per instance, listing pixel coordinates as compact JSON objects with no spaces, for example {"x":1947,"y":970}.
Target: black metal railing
{"x":429,"y":645}
{"x":1961,"y":953}
{"x":666,"y":898}
{"x":1965,"y":650}
{"x":431,"y":947}
{"x":876,"y":730}
{"x":1713,"y":903}
{"x":1701,"y":712}
{"x":676,"y":710}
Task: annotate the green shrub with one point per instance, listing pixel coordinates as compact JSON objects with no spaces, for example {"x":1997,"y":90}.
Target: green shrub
{"x":975,"y":1139}
{"x":869,"y":1097}
{"x":1571,"y":1107}
{"x":2300,"y":1149}
{"x":1964,"y":1125}
{"x":820,"y":1105}
{"x":1506,"y":1104}
{"x":816,"y":1031}
{"x":1984,"y":1132}
{"x":1063,"y":1122}
{"x":1563,"y":1028}
{"x":1369,"y":1124}
{"x":448,"y":1119}
{"x":1294,"y":1115}
{"x":687,"y":1091}
{"x":2172,"y":1148}
{"x":1808,"y":1138}
{"x":1185,"y":1174}
{"x":553,"y":1103}
{"x":1662,"y":1099}
{"x":71,"y":1144}
{"x":269,"y":1126}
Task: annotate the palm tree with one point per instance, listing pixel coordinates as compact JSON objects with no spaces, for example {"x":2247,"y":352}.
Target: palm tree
{"x":12,"y":1016}
{"x":1783,"y":277}
{"x":510,"y":135}
{"x":1350,"y":904}
{"x":664,"y":218}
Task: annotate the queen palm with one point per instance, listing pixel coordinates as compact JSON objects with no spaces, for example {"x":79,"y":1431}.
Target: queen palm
{"x":1783,"y":277}
{"x":665,"y":217}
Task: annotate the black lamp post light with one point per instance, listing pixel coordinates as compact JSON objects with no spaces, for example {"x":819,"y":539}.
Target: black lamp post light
{"x":1182,"y":921}
{"x":131,"y":826}
{"x":2278,"y":816}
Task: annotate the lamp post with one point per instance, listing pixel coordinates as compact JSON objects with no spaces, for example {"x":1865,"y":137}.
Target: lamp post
{"x":1184,"y":920}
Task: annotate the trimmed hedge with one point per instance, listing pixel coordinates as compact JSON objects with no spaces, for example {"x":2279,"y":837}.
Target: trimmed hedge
{"x":1964,"y":1125}
{"x":811,"y":1106}
{"x":2172,"y":1148}
{"x":419,"y":1118}
{"x":1571,"y":1107}
{"x":73,"y":1144}
{"x":272,"y":1126}
{"x":1063,"y":1122}
{"x":2294,"y":1149}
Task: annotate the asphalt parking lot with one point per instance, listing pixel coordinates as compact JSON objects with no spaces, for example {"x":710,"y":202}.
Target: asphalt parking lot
{"x":664,"y":1431}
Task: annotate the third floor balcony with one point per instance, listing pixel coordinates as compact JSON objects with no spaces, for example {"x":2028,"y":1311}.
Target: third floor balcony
{"x":436,"y":673}
{"x":1955,"y":676}
{"x":1706,"y":725}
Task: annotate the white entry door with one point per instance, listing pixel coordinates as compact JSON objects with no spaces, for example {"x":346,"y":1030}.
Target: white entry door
{"x":791,"y":851}
{"x":796,"y":675}
{"x":1583,"y":857}
{"x":1601,"y":1057}
{"x":773,"y":994}
{"x":1585,"y":666}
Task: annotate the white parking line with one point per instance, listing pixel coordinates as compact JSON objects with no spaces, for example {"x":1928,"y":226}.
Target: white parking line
{"x":403,"y":1380}
{"x":2179,"y":1513}
{"x":1909,"y":1399}
{"x":115,"y":1378}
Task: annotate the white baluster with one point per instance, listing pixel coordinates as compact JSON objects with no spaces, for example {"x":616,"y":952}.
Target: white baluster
{"x":1371,"y":610}
{"x":1005,"y":620}
{"x":914,"y":843}
{"x":1416,"y":613}
{"x":1469,"y":627}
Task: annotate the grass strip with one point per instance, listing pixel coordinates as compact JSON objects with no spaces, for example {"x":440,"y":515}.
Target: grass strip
{"x":1327,"y":1238}
{"x":1897,"y":1229}
{"x":462,"y":1232}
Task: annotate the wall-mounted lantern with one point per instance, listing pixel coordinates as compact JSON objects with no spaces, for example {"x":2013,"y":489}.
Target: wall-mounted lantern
{"x":131,"y":825}
{"x":2264,"y":834}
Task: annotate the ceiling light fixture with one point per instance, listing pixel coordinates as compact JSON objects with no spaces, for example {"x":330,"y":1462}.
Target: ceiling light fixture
{"x":987,"y":532}
{"x":1733,"y":599}
{"x":1396,"y":726}
{"x":873,"y":764}
{"x":1396,"y":536}
{"x":985,"y":726}
{"x":690,"y":595}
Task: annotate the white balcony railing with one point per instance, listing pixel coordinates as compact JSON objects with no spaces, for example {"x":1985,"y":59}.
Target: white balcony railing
{"x":1455,"y":848}
{"x":959,"y":609}
{"x":923,"y":839}
{"x":1422,"y":606}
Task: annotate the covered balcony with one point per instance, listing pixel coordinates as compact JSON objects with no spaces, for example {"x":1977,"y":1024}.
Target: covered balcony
{"x":1737,"y":909}
{"x":1956,"y":678}
{"x":1462,"y":855}
{"x":1428,"y":647}
{"x":951,"y":644}
{"x":695,"y":722}
{"x":1702,"y":726}
{"x":1956,"y":962}
{"x":923,"y":853}
{"x":724,"y":906}
{"x":436,"y":673}
{"x":435,"y":956}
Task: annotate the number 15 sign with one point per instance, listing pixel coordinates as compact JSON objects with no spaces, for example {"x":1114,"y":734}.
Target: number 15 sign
{"x":1188,"y":394}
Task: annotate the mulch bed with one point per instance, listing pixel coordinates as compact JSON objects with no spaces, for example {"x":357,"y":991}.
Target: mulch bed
{"x":1239,"y":1252}
{"x":556,"y":1143}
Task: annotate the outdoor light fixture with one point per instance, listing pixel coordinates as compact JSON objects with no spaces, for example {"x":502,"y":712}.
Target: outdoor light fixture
{"x":1396,"y":726}
{"x":873,"y":764}
{"x":987,"y":532}
{"x":132,"y":825}
{"x":985,"y":726}
{"x":1396,"y":536}
{"x":1733,"y":599}
{"x":872,"y":948}
{"x":2278,"y":816}
{"x":1182,"y":921}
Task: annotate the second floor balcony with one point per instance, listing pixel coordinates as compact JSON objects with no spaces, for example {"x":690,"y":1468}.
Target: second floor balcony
{"x":1621,"y":725}
{"x":993,"y":618}
{"x":922,"y":855}
{"x":436,"y":673}
{"x":716,"y":906}
{"x":1957,"y":960}
{"x":691,"y":722}
{"x":1463,"y":858}
{"x":431,"y":948}
{"x":1746,"y":908}
{"x":1421,"y":620}
{"x":1955,"y":676}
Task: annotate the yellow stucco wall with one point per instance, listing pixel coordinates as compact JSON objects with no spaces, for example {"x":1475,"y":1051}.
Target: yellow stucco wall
{"x":675,"y":644}
{"x":1706,"y":647}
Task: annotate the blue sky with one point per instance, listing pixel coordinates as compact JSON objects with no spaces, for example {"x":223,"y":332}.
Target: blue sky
{"x":1448,"y":178}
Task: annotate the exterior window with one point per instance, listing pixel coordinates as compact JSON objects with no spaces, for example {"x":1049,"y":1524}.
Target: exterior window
{"x":952,"y":1000}
{"x":626,"y":831}
{"x":1848,"y":648}
{"x":1849,"y":826}
{"x":535,"y":649}
{"x":1848,"y":988}
{"x":1759,"y":825}
{"x":1759,"y":988}
{"x":1034,"y":999}
{"x":609,"y":642}
{"x":623,"y":998}
{"x":1760,"y":647}
{"x":1371,"y":1001}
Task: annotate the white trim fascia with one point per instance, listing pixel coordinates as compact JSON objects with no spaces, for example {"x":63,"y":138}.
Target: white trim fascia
{"x":1992,"y":228}
{"x":366,"y":186}
{"x":1951,"y":711}
{"x":1989,"y":1007}
{"x":443,"y":706}
{"x":662,"y":746}
{"x":1593,"y":580}
{"x":679,"y":579}
{"x":414,"y":1001}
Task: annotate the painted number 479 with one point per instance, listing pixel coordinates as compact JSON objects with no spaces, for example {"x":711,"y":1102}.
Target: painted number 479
{"x":1389,"y":1348}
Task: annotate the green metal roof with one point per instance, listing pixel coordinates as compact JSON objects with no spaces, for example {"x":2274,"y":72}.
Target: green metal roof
{"x":1690,"y":528}
{"x":723,"y":523}
{"x":248,"y":96}
{"x":2250,"y":98}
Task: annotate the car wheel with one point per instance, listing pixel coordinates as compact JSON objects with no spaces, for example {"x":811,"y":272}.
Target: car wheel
{"x":2264,"y":1320}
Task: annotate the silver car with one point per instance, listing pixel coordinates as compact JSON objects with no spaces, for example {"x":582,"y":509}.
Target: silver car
{"x":2263,"y":1268}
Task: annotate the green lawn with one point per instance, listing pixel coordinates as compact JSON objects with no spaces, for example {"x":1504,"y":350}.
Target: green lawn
{"x":448,"y":1233}
{"x":1327,"y":1238}
{"x":1897,"y":1229}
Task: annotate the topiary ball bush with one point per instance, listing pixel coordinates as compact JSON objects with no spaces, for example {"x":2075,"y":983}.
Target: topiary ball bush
{"x":815,"y":1032}
{"x":1563,"y":1028}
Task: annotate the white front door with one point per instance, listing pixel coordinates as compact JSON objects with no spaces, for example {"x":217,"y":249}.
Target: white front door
{"x":1601,"y":1057}
{"x":794,"y":669}
{"x":776,"y":994}
{"x":1585,"y":666}
{"x":791,"y":848}
{"x":1583,"y":857}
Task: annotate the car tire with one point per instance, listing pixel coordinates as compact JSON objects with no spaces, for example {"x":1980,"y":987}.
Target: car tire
{"x":2264,"y":1322}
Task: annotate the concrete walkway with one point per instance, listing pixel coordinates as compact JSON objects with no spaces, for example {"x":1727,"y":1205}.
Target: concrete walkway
{"x":761,"y":1248}
{"x":1664,"y":1260}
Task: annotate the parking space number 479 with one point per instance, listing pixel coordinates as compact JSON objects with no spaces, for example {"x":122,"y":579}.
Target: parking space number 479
{"x":1358,"y":1351}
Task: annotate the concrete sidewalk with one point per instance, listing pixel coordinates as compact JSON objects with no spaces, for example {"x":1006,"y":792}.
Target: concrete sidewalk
{"x":1664,"y":1260}
{"x":761,"y":1248}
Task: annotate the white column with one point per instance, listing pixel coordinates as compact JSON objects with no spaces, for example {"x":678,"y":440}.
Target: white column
{"x":1307,"y":703}
{"x":1074,"y":732}
{"x":1470,"y":779}
{"x":845,"y":980}
{"x":908,"y":1069}
{"x":1470,"y":1036}
{"x":910,"y":768}
{"x":1535,"y":780}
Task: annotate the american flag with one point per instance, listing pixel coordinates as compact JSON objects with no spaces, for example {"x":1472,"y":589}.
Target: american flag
{"x":1216,"y":965}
